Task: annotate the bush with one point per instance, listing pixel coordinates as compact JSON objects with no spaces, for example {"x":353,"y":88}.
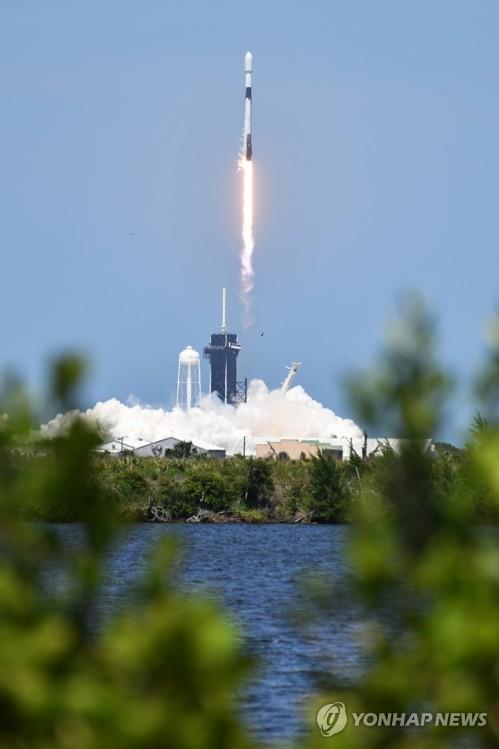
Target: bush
{"x":426,"y":573}
{"x":260,"y":484}
{"x":326,"y":489}
{"x":165,"y":675}
{"x":207,"y":488}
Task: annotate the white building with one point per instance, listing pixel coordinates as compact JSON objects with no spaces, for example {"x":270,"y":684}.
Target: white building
{"x":119,"y":445}
{"x":157,"y":449}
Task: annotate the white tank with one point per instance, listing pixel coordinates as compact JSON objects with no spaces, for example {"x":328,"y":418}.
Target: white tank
{"x":189,"y":356}
{"x":189,"y":379}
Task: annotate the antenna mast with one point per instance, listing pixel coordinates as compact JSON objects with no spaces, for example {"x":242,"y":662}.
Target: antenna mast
{"x":223,"y":329}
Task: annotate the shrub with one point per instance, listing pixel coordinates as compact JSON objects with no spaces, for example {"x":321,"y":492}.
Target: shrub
{"x":260,"y":484}
{"x":165,"y":675}
{"x":326,"y":489}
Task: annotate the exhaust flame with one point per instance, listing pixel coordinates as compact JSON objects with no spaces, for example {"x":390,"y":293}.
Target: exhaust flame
{"x":247,"y":272}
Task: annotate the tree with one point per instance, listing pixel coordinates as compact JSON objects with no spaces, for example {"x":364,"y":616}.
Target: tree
{"x":326,"y":488}
{"x":165,"y":675}
{"x":181,"y":450}
{"x":426,"y":573}
{"x":260,"y":483}
{"x":205,"y":486}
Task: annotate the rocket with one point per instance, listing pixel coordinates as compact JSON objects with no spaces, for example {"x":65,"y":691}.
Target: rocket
{"x":248,"y":74}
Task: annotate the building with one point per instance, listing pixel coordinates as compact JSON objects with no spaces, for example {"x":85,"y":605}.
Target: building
{"x":296,"y":449}
{"x":338,"y":447}
{"x":120,"y":445}
{"x":158,"y":448}
{"x":144,"y":449}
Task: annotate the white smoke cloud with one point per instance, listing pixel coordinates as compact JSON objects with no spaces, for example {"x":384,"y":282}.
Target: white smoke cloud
{"x":267,"y":414}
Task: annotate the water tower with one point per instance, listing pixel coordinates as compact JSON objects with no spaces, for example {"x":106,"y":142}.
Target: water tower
{"x":189,"y":379}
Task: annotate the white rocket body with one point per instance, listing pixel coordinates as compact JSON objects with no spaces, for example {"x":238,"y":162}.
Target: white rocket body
{"x":248,"y":75}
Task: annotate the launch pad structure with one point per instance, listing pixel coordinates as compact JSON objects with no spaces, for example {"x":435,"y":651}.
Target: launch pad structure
{"x":222,"y":353}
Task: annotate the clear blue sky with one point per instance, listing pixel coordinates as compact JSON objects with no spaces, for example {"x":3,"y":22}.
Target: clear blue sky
{"x":376,"y":129}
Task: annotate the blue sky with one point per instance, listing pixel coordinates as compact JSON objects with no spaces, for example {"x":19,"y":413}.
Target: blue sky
{"x":377,"y":166}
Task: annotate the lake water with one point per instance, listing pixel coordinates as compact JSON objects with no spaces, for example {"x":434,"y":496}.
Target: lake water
{"x":257,"y":574}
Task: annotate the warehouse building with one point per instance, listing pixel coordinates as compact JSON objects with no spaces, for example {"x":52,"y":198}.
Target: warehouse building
{"x":157,"y":449}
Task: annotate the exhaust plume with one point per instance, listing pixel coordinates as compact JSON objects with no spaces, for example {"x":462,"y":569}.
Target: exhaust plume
{"x":247,"y":272}
{"x":267,"y":414}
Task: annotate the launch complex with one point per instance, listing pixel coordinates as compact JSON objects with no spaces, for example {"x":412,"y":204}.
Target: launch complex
{"x":223,"y":348}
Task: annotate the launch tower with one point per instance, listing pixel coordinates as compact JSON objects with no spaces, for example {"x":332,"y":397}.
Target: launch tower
{"x":222,"y":353}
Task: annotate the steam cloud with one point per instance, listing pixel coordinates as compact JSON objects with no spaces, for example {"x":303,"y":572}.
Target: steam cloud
{"x":267,"y":414}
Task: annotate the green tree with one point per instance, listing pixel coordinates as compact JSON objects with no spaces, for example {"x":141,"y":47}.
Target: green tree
{"x":165,"y":675}
{"x":206,"y":487}
{"x":181,"y":450}
{"x":428,"y":575}
{"x":260,"y":484}
{"x":326,"y":488}
{"x":172,"y":494}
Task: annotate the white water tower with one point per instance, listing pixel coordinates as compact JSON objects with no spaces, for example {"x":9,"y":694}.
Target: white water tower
{"x":189,"y":379}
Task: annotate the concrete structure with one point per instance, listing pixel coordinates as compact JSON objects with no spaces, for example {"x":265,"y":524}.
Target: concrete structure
{"x":339,"y":447}
{"x":296,"y":449}
{"x":144,"y":449}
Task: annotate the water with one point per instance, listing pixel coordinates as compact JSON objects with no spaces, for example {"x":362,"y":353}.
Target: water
{"x":257,"y":574}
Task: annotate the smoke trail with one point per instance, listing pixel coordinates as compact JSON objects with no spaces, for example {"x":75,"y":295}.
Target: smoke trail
{"x":247,"y":272}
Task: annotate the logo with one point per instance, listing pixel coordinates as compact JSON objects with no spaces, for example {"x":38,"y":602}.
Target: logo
{"x":331,"y":718}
